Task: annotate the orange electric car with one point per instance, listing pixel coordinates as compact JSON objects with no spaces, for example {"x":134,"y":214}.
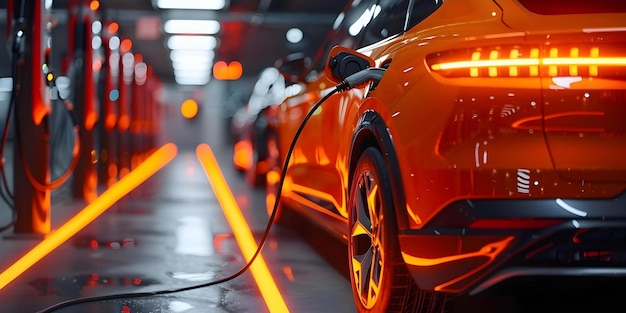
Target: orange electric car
{"x":493,"y":147}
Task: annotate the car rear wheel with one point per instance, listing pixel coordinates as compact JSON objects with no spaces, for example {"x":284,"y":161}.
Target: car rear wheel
{"x":379,"y":278}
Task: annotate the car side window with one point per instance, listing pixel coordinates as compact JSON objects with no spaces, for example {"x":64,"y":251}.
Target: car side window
{"x":347,"y":30}
{"x":388,"y":19}
{"x":421,"y":9}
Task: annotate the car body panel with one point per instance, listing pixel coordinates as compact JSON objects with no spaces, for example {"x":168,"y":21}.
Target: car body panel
{"x":489,"y":145}
{"x":581,"y":109}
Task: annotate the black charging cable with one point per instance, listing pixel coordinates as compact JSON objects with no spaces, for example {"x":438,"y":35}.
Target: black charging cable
{"x":17,"y":54}
{"x":357,"y":79}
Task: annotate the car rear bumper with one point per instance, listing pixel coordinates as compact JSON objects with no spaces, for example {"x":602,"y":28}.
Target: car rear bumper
{"x":587,"y":238}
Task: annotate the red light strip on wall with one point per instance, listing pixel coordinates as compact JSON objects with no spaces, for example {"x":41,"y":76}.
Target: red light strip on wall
{"x":241,"y":230}
{"x":118,"y":190}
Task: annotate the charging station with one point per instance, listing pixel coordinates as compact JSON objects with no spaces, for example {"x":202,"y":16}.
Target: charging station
{"x":85,"y":57}
{"x":109,"y":110}
{"x":29,"y":39}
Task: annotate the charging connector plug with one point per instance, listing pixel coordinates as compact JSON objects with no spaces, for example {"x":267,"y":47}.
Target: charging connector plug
{"x":361,"y":77}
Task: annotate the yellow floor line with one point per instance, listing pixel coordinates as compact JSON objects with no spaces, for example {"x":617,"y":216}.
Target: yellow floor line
{"x":243,"y":235}
{"x":118,"y":190}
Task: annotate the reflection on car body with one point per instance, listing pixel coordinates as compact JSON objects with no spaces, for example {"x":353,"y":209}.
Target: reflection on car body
{"x":491,"y":149}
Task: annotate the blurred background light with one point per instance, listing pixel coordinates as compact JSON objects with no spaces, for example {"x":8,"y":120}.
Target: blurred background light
{"x":192,"y":56}
{"x":191,"y":4}
{"x":114,"y":43}
{"x":192,"y":42}
{"x":294,"y":35}
{"x":192,"y":81}
{"x":189,"y":108}
{"x":207,"y":27}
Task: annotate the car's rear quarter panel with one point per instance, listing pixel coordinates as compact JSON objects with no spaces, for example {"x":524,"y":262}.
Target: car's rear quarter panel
{"x":474,"y":137}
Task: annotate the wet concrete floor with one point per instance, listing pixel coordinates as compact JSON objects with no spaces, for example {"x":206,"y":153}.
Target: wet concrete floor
{"x":171,"y":233}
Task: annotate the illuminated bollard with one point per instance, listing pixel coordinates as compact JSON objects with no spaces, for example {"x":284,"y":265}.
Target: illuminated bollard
{"x":127,"y":69}
{"x":85,"y":66}
{"x":109,"y":155}
{"x":31,"y":170}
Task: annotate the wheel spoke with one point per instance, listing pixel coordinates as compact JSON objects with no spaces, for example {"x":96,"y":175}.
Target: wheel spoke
{"x":372,"y":203}
{"x":362,"y":223}
{"x":362,"y":267}
{"x":376,"y":268}
{"x":367,"y":262}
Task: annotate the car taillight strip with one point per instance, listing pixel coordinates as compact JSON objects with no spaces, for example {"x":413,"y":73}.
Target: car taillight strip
{"x":528,"y":62}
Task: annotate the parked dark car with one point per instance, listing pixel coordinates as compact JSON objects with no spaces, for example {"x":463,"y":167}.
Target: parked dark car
{"x":250,"y":127}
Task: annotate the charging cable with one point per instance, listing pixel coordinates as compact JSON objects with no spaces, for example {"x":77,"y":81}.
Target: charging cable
{"x":17,"y":50}
{"x":354,"y":80}
{"x":5,"y":192}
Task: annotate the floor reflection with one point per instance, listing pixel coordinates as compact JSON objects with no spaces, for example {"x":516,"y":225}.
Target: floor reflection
{"x":194,"y":237}
{"x":73,"y":286}
{"x":191,"y":276}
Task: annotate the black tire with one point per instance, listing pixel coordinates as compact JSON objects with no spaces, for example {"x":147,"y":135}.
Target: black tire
{"x":380,"y":280}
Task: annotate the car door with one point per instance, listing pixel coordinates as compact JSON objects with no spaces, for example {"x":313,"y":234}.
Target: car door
{"x":312,"y":177}
{"x":379,"y":33}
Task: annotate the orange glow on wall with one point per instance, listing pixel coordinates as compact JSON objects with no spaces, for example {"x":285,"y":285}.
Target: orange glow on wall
{"x":124,"y":123}
{"x":126,"y":45}
{"x":189,"y":108}
{"x":94,"y":5}
{"x":288,"y":273}
{"x":241,"y":155}
{"x":112,"y":169}
{"x":109,"y":121}
{"x":90,"y":188}
{"x":91,"y":118}
{"x":152,"y":164}
{"x":96,"y":66}
{"x":227,"y":71}
{"x":113,"y":28}
{"x":241,"y":230}
{"x":124,"y":171}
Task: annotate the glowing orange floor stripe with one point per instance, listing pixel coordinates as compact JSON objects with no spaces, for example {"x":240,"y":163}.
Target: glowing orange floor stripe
{"x":133,"y":179}
{"x":240,"y":228}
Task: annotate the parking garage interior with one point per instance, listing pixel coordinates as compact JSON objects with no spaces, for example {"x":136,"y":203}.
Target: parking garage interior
{"x":118,"y":183}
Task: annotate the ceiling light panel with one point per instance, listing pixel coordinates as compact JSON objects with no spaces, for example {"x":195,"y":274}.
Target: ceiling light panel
{"x":206,"y":27}
{"x":195,"y":66}
{"x":191,"y":4}
{"x":192,"y":55}
{"x":192,"y":42}
{"x":192,"y":81}
{"x":191,"y":74}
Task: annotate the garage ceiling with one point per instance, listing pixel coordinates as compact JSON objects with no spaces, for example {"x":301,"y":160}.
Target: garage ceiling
{"x":252,"y":31}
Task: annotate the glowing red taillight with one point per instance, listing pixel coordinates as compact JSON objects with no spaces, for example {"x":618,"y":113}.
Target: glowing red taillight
{"x":531,"y":61}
